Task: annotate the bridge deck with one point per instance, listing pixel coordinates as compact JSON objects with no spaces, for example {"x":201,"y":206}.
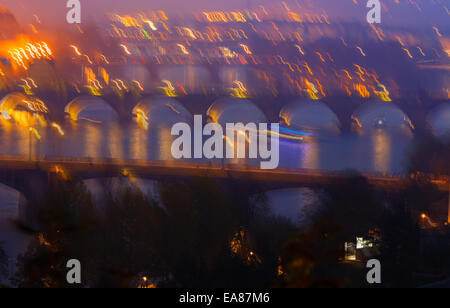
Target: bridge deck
{"x":183,"y":168}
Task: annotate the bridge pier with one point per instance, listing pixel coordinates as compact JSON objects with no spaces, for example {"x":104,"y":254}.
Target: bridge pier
{"x":32,"y":186}
{"x":34,"y":190}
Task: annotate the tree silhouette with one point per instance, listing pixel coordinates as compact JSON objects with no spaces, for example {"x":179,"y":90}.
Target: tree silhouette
{"x":400,"y":247}
{"x":68,"y":229}
{"x":196,"y":235}
{"x":3,"y":263}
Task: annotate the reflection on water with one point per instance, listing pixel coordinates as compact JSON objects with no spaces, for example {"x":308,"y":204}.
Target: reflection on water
{"x":18,"y":140}
{"x":164,"y":144}
{"x":310,"y":155}
{"x":93,"y":141}
{"x":114,"y":141}
{"x":379,"y":151}
{"x":138,"y":138}
{"x":382,"y":151}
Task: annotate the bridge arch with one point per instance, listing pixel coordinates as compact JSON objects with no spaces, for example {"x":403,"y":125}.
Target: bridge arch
{"x":310,"y":117}
{"x":161,"y":110}
{"x":92,"y":109}
{"x":17,"y":102}
{"x":439,"y":120}
{"x":378,"y":114}
{"x":235,"y":110}
{"x":10,"y":195}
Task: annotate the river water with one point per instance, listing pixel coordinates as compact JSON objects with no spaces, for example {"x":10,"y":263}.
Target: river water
{"x":376,"y":152}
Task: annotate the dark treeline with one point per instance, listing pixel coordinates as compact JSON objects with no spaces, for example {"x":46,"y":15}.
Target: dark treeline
{"x":198,"y":236}
{"x":195,"y":236}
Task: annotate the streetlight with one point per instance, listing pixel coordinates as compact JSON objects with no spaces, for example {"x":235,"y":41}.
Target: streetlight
{"x":58,"y":128}
{"x":61,"y":133}
{"x":32,"y":131}
{"x":427,"y":219}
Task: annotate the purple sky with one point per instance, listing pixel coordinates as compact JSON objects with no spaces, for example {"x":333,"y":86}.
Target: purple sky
{"x":55,"y":10}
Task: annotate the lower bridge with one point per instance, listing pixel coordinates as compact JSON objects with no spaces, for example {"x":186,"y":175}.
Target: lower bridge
{"x":30,"y":177}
